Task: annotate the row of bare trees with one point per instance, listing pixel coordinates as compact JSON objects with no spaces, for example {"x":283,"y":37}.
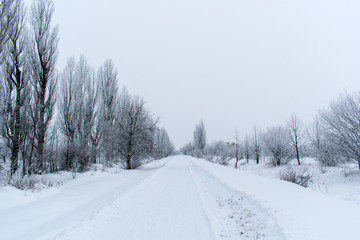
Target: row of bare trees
{"x":333,"y":138}
{"x":51,"y":121}
{"x":28,"y":82}
{"x":102,"y":125}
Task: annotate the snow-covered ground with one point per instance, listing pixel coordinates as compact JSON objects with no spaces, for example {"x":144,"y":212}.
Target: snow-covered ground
{"x":342,"y":181}
{"x":176,"y":198}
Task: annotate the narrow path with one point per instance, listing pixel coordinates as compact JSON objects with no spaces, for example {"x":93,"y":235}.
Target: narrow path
{"x":166,"y":205}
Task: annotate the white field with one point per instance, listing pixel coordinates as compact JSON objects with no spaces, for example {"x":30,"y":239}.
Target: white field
{"x":176,"y":198}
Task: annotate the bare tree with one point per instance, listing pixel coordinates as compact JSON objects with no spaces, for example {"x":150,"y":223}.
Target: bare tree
{"x":135,"y":130}
{"x":246,"y":149}
{"x":187,"y":149}
{"x":256,"y":146}
{"x":237,"y":148}
{"x":16,"y":84}
{"x":8,"y":13}
{"x":52,"y":149}
{"x":77,"y":111}
{"x":108,"y":102}
{"x":27,"y":147}
{"x":315,"y":133}
{"x":277,"y":144}
{"x":43,"y":59}
{"x":96,"y":136}
{"x":68,"y":107}
{"x":88,"y":112}
{"x":341,"y":125}
{"x":163,"y":145}
{"x":322,"y":148}
{"x":296,"y":135}
{"x":200,"y":136}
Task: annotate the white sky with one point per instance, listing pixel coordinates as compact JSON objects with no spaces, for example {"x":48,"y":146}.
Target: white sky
{"x":232,"y":63}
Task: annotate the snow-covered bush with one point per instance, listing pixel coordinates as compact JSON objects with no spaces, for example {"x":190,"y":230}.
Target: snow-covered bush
{"x":219,"y":148}
{"x":300,"y":175}
{"x":25,"y":183}
{"x":37,"y":182}
{"x":329,"y":157}
{"x":187,"y":149}
{"x":97,"y":167}
{"x":219,"y":152}
{"x":277,"y":145}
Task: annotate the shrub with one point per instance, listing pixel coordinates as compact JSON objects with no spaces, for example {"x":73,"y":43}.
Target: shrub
{"x":223,"y":160}
{"x":35,"y":182}
{"x":28,"y":182}
{"x":301,"y":176}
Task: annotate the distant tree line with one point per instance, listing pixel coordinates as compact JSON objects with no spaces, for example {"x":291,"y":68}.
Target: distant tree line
{"x":54,"y":121}
{"x":333,"y":138}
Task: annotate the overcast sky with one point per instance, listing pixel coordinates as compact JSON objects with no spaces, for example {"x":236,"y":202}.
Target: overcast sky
{"x":233,"y":63}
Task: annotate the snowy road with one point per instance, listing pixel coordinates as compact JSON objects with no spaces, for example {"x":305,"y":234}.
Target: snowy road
{"x":168,"y":199}
{"x":166,"y":205}
{"x":177,"y":198}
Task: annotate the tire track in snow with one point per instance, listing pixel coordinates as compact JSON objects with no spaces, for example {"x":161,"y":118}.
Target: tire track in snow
{"x":97,"y":215}
{"x":233,"y":214}
{"x":71,"y":205}
{"x":165,"y":205}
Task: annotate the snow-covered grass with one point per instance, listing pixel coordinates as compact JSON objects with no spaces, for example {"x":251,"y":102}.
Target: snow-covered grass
{"x":42,"y":213}
{"x":342,"y":181}
{"x":301,"y":213}
{"x":37,"y":183}
{"x":19,"y":190}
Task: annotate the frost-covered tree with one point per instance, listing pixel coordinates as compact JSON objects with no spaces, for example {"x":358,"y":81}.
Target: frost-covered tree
{"x":96,"y":136}
{"x":247,"y":149}
{"x":53,"y":148}
{"x":321,"y":147}
{"x":15,"y":87}
{"x":187,"y":149}
{"x":200,"y":136}
{"x":163,"y":145}
{"x":77,"y":111}
{"x":256,"y":145}
{"x":69,"y":108}
{"x":87,"y":126}
{"x":135,"y":128}
{"x":238,"y":149}
{"x":277,"y":145}
{"x":8,"y":14}
{"x":43,"y":57}
{"x":108,"y":103}
{"x":341,"y":125}
{"x":296,"y":132}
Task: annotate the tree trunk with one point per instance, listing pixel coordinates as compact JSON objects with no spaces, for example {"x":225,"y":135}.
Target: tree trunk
{"x":298,"y":155}
{"x":31,"y":167}
{"x":24,"y":167}
{"x":16,"y":138}
{"x":41,"y":132}
{"x":128,"y":162}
